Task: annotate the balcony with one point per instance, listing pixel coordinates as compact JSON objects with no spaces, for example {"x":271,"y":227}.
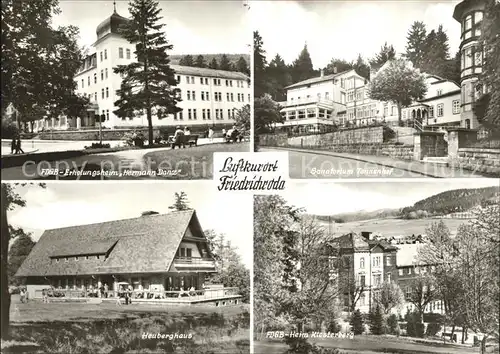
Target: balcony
{"x":193,"y":263}
{"x":321,"y":102}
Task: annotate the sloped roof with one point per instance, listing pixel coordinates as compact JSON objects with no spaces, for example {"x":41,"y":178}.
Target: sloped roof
{"x":143,"y":244}
{"x":351,"y":241}
{"x":386,"y":246}
{"x":315,"y":80}
{"x":206,"y":72}
{"x":407,"y":254}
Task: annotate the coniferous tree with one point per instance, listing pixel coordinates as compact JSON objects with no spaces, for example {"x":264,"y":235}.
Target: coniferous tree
{"x":357,"y":322}
{"x":377,"y":321}
{"x":278,"y":77}
{"x":302,"y":67}
{"x":148,"y":85}
{"x":437,"y":53}
{"x":339,"y":65}
{"x":416,"y":47}
{"x":181,"y":202}
{"x":187,"y":60}
{"x":259,"y":56}
{"x":242,"y":66}
{"x":361,"y":67}
{"x":200,"y":62}
{"x":225,"y":64}
{"x":213,"y":64}
{"x":386,"y":53}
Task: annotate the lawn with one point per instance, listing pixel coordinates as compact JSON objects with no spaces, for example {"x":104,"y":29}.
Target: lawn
{"x":188,"y":163}
{"x":106,"y":327}
{"x":370,"y":345}
{"x":192,"y":163}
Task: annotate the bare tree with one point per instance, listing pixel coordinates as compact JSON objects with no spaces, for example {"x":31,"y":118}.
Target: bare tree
{"x":389,"y":296}
{"x":423,"y":291}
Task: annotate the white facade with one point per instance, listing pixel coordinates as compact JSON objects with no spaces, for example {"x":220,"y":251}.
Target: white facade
{"x":209,"y":97}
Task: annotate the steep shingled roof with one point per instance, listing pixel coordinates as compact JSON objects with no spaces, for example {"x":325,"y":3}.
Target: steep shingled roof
{"x":143,"y":244}
{"x":351,"y":241}
{"x":206,"y":72}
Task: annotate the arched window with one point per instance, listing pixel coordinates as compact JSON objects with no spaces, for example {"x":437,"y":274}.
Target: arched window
{"x":362,"y":263}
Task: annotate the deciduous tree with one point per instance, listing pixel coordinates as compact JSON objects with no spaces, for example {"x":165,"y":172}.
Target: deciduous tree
{"x":266,"y":114}
{"x":21,"y":247}
{"x":398,"y":82}
{"x":423,"y":291}
{"x":388,"y":297}
{"x":242,"y":118}
{"x":148,"y":85}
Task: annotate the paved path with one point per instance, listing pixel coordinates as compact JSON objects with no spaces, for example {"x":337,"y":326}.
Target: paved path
{"x":310,"y":164}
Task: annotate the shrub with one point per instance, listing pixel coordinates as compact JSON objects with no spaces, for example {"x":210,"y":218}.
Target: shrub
{"x":134,"y":139}
{"x":334,"y":327}
{"x":98,"y":146}
{"x":414,"y":327}
{"x":393,"y":324}
{"x":357,"y":323}
{"x":432,"y":329}
{"x":302,"y":346}
{"x":9,"y":129}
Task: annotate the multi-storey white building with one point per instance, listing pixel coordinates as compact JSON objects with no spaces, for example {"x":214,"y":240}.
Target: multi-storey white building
{"x":343,"y":99}
{"x":209,"y":97}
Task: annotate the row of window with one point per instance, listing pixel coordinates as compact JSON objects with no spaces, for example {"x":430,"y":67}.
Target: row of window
{"x":418,"y":270}
{"x":377,"y":279}
{"x":471,"y":23}
{"x":104,"y":75}
{"x":192,"y":114}
{"x":216,"y":82}
{"x":184,"y":252}
{"x":205,"y":96}
{"x":375,"y":261}
{"x":77,"y":258}
{"x":471,"y":57}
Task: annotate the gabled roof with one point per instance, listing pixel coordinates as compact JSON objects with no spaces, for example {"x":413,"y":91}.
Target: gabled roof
{"x":143,"y":244}
{"x":351,"y":241}
{"x":206,"y":72}
{"x":315,"y":80}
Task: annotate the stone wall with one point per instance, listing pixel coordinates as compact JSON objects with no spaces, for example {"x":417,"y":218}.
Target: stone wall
{"x":107,"y":134}
{"x":278,"y":139}
{"x":370,"y":135}
{"x":400,"y":152}
{"x":485,"y":161}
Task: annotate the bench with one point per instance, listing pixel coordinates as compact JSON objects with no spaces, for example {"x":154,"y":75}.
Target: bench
{"x":234,"y":137}
{"x":183,"y":140}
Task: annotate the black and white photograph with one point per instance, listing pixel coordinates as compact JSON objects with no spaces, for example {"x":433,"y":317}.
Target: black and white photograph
{"x":386,"y":89}
{"x":135,"y":89}
{"x":94,"y":269}
{"x":370,"y":267}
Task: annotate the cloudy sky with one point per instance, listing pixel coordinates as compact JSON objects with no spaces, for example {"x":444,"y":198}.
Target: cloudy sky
{"x":191,"y":26}
{"x":334,"y":198}
{"x":61,"y":204}
{"x":342,"y":29}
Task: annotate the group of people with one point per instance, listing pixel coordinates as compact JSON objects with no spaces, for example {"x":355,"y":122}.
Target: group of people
{"x":15,"y":146}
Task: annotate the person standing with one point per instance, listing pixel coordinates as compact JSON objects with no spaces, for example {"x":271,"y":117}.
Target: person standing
{"x":13,"y":146}
{"x":106,"y":290}
{"x":211,"y":134}
{"x":19,"y":150}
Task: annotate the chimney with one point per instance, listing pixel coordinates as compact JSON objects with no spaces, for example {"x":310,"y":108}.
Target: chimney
{"x":321,"y":73}
{"x":367,"y":235}
{"x":335,"y":69}
{"x":149,"y":213}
